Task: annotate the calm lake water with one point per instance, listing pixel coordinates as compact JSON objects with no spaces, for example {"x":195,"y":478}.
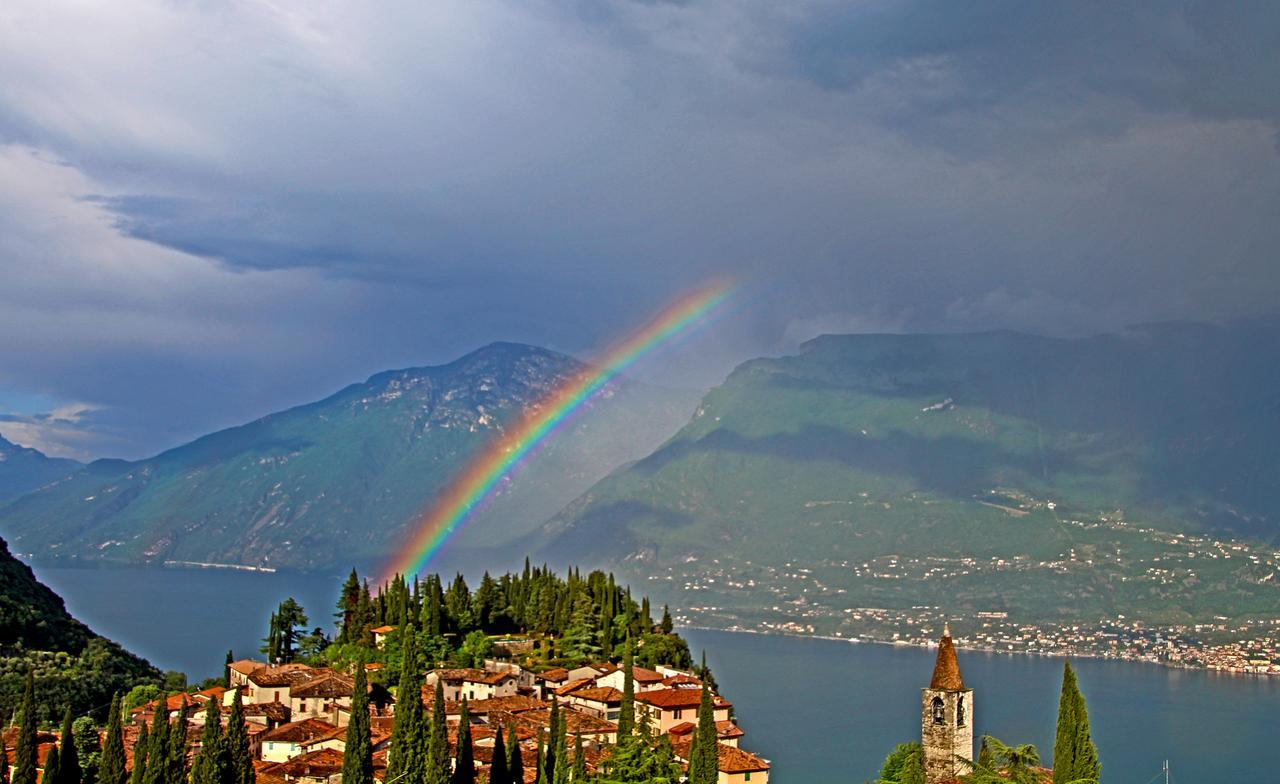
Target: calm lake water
{"x":823,"y":711}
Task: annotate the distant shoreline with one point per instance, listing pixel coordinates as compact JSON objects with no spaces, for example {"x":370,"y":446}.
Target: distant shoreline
{"x":978,"y":649}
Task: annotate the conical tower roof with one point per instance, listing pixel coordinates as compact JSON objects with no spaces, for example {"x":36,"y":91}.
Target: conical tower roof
{"x":946,"y":670}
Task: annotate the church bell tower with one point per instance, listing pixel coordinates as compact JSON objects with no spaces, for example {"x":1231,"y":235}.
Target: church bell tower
{"x":946,"y":723}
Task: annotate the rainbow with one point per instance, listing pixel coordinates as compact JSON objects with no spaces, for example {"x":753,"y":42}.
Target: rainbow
{"x":476,"y":481}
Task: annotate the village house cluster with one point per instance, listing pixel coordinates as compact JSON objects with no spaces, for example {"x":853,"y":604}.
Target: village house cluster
{"x":297,"y":715}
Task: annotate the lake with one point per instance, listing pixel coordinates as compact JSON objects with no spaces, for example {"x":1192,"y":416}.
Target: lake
{"x":824,"y":711}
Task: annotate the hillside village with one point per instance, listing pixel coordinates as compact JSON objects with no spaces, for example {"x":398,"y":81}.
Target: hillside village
{"x":564,"y":689}
{"x":297,"y":715}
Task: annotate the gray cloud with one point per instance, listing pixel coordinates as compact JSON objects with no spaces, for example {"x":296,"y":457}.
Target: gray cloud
{"x":216,"y":210}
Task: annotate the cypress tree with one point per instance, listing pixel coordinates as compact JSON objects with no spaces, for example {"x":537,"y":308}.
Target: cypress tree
{"x":1075,"y":757}
{"x":50,"y":765}
{"x":206,"y":768}
{"x":239,"y":765}
{"x":348,"y":600}
{"x":515,"y":757}
{"x":498,"y":768}
{"x":704,"y":757}
{"x":438,"y":762}
{"x":141,"y":747}
{"x":627,"y":713}
{"x":68,"y":757}
{"x":579,"y":762}
{"x":357,"y":756}
{"x":24,"y":765}
{"x":111,"y":766}
{"x":158,"y":746}
{"x":539,"y":762}
{"x":226,"y":671}
{"x":560,"y":768}
{"x":464,"y":768}
{"x":176,"y":762}
{"x":548,"y":766}
{"x":407,"y":733}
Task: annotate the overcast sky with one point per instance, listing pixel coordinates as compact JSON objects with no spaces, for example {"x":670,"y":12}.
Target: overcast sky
{"x":212,"y":210}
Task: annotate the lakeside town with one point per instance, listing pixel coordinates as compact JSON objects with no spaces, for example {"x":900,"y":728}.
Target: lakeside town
{"x":803,"y":600}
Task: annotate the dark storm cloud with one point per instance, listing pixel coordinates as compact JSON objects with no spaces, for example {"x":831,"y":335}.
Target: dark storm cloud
{"x":218,"y":211}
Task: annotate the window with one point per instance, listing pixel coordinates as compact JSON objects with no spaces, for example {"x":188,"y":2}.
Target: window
{"x":960,"y":713}
{"x":939,"y":713}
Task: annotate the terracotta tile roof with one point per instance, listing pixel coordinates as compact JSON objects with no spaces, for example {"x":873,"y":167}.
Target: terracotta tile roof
{"x":272,"y":711}
{"x":946,"y":670}
{"x":673,"y":699}
{"x":175,"y":701}
{"x":557,"y":675}
{"x":246,"y":666}
{"x":319,"y":764}
{"x":514,"y":704}
{"x":724,"y":730}
{"x":383,"y":630}
{"x":330,"y":684}
{"x":732,"y":759}
{"x":576,"y":722}
{"x":300,"y":731}
{"x":574,"y":685}
{"x":471,"y":675}
{"x":681,"y":680}
{"x":284,"y":675}
{"x":642,"y":675}
{"x":605,"y":694}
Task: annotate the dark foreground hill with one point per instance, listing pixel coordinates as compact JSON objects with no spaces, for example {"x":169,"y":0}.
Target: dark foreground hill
{"x":73,"y":665}
{"x":988,"y":471}
{"x":23,"y":470}
{"x":337,"y":482}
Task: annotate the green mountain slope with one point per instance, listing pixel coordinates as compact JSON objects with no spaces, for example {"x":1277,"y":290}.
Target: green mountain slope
{"x":73,"y":665}
{"x":23,"y":470}
{"x":956,"y":454}
{"x":337,"y":481}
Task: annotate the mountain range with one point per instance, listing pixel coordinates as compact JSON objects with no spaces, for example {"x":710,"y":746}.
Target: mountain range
{"x":23,"y":469}
{"x":1047,"y":476}
{"x":338,"y":481}
{"x":1036,"y":474}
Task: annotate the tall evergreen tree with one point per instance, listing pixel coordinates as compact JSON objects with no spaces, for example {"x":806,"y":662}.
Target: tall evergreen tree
{"x":348,"y":602}
{"x":1075,"y":758}
{"x":141,"y":750}
{"x":498,"y":768}
{"x":704,"y":756}
{"x":68,"y":756}
{"x":24,"y":764}
{"x":226,"y":671}
{"x":239,"y":766}
{"x":208,"y":766}
{"x":579,"y":773}
{"x":515,"y":757}
{"x":438,"y":762}
{"x":548,"y":766}
{"x":50,"y":765}
{"x":464,"y":768}
{"x":408,"y":728}
{"x":627,"y":712}
{"x":158,"y":746}
{"x":111,"y":766}
{"x":357,"y":756}
{"x":176,"y":758}
{"x":561,"y":767}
